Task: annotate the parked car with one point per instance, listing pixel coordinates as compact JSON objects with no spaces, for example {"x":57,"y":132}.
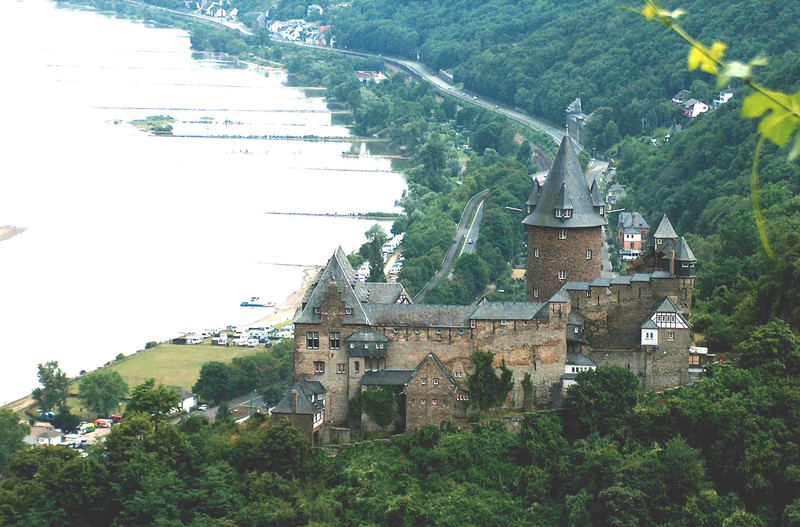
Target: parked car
{"x":202,"y":407}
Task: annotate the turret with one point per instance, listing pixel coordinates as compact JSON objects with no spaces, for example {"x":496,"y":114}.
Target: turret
{"x":564,"y":228}
{"x":664,"y":235}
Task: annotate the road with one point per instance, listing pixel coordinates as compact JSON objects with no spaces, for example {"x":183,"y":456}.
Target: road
{"x":465,"y":225}
{"x":472,"y":234}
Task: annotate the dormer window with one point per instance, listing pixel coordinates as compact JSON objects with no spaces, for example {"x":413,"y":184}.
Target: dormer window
{"x":348,"y":311}
{"x":559,"y":213}
{"x":317,"y":310}
{"x":563,"y":213}
{"x":567,"y":213}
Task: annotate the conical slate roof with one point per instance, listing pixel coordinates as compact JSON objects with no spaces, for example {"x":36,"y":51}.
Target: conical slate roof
{"x":565,"y":173}
{"x":665,"y":229}
{"x":563,"y":201}
{"x":683,"y":253}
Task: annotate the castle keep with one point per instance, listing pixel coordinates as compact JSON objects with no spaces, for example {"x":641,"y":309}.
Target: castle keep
{"x":352,"y":336}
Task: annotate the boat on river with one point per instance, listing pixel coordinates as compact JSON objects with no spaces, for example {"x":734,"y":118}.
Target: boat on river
{"x":256,"y":301}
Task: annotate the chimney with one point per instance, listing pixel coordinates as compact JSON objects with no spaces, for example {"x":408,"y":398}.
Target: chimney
{"x":294,"y":401}
{"x":672,"y":264}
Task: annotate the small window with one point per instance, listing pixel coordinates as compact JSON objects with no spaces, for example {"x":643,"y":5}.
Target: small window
{"x":589,"y":293}
{"x":562,"y":234}
{"x":380,"y":345}
{"x":423,"y":380}
{"x":503,"y":322}
{"x":536,"y":252}
{"x":602,"y":210}
{"x":352,"y":345}
{"x":577,"y":329}
{"x":317,"y":310}
{"x":312,"y":340}
{"x":422,"y":401}
{"x":436,"y":381}
{"x":567,"y":213}
{"x":671,"y":335}
{"x":341,"y":368}
{"x":524,"y":323}
{"x":348,"y":311}
{"x":438,"y":331}
{"x":473,"y":324}
{"x":694,"y":360}
{"x":355,"y":366}
{"x":588,"y":254}
{"x":535,"y":292}
{"x":319,"y":368}
{"x":562,"y":275}
{"x":334,"y":340}
{"x":558,"y":213}
{"x":416,"y":331}
{"x":394,"y":330}
{"x":434,"y":402}
{"x":460,"y":332}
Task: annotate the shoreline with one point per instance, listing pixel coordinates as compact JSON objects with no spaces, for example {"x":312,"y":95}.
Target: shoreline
{"x":9,"y":231}
{"x":285,"y":312}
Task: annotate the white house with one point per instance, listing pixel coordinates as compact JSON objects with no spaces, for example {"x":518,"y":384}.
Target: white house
{"x":187,"y":401}
{"x":692,"y":108}
{"x":49,"y":437}
{"x":722,"y":97}
{"x":576,"y":363}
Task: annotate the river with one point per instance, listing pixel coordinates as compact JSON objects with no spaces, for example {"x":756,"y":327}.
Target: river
{"x":132,"y":237}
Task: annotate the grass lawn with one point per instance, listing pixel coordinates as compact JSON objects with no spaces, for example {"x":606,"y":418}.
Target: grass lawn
{"x":174,"y":364}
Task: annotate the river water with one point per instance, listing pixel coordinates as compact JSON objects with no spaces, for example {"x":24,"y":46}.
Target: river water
{"x":132,"y":237}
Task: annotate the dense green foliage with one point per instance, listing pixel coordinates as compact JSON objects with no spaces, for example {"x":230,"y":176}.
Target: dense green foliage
{"x":531,"y":55}
{"x":102,"y":391}
{"x":268,"y":372}
{"x":486,"y":388}
{"x":723,"y":452}
{"x":55,"y":387}
{"x":152,"y":400}
{"x":11,"y":434}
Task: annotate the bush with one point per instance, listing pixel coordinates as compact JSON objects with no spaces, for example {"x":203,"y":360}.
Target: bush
{"x":151,"y":344}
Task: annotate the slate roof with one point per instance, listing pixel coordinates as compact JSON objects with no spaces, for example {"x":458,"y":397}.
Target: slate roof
{"x":649,"y":324}
{"x":563,"y":201}
{"x":597,"y":197}
{"x":640,"y":277}
{"x":600,"y":282}
{"x":631,"y":220}
{"x":419,"y":315}
{"x":561,"y":296}
{"x":566,"y":172}
{"x":575,"y":358}
{"x":533,"y":197}
{"x":355,"y":293}
{"x":666,"y":306}
{"x":446,"y":374}
{"x":632,"y":231}
{"x":682,"y":252}
{"x":367,"y":336}
{"x":569,"y":376}
{"x":624,"y":280}
{"x":575,"y":106}
{"x":577,"y":286}
{"x":661,"y":274}
{"x":665,"y":229}
{"x":575,"y":319}
{"x":615,"y":187}
{"x":304,"y":390}
{"x":182,"y":391}
{"x":386,"y":377}
{"x":506,"y":310}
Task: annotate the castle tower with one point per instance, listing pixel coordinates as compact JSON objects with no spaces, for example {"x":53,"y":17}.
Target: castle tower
{"x":564,"y":230}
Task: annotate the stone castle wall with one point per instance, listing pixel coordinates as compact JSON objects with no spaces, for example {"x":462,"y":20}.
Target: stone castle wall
{"x":555,"y":255}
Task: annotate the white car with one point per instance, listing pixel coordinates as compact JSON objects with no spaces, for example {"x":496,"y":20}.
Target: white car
{"x":202,"y":407}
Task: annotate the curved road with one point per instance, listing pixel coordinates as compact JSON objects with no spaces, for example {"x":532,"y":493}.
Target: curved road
{"x":465,"y":225}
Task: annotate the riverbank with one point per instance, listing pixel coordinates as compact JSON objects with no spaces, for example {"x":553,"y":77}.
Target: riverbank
{"x":7,"y":232}
{"x":285,"y":312}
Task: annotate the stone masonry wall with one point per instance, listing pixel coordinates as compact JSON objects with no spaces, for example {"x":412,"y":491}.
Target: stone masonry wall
{"x":556,"y":255}
{"x":439,"y":399}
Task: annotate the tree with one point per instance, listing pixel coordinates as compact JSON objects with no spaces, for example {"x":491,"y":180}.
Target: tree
{"x":376,"y":237}
{"x":214,"y":382}
{"x":600,"y":400}
{"x":773,"y":346}
{"x":101,"y":391}
{"x":154,"y":401}
{"x":11,"y":434}
{"x":380,"y":404}
{"x":486,"y":388}
{"x":55,"y":387}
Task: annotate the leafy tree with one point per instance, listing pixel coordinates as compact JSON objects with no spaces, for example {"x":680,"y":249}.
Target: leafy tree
{"x":223,"y":412}
{"x":214,"y":382}
{"x":773,"y":346}
{"x":101,"y":391}
{"x":600,"y":400}
{"x":154,"y":401}
{"x":11,"y":434}
{"x":380,"y":404}
{"x":55,"y":387}
{"x":486,"y":388}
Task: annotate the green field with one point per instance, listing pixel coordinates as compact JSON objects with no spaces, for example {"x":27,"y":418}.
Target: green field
{"x":174,"y":364}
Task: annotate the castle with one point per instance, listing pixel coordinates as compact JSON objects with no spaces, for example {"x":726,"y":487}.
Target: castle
{"x":352,"y":336}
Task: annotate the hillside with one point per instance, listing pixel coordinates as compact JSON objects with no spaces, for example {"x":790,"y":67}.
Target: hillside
{"x":540,"y":55}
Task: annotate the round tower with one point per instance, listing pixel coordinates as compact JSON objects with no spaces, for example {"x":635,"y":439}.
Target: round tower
{"x":565,"y":229}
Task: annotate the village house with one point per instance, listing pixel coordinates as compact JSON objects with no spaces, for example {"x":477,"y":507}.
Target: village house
{"x":615,"y":193}
{"x":353,"y":336}
{"x":577,"y":121}
{"x":681,"y":97}
{"x":692,"y":108}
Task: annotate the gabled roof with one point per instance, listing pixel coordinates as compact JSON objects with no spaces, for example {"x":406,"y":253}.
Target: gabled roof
{"x":649,"y":324}
{"x":628,"y":220}
{"x":665,"y":229}
{"x":666,"y":306}
{"x":565,"y":173}
{"x":367,"y":336}
{"x":563,"y":201}
{"x":311,"y":386}
{"x":575,"y":106}
{"x":631,"y":230}
{"x":304,"y":390}
{"x":506,"y":310}
{"x":597,"y":197}
{"x":616,"y":187}
{"x":182,"y":391}
{"x":446,"y":374}
{"x":560,"y":297}
{"x":419,"y":315}
{"x":386,"y":377}
{"x":380,"y":293}
{"x":575,"y":319}
{"x":533,"y":197}
{"x":575,"y":358}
